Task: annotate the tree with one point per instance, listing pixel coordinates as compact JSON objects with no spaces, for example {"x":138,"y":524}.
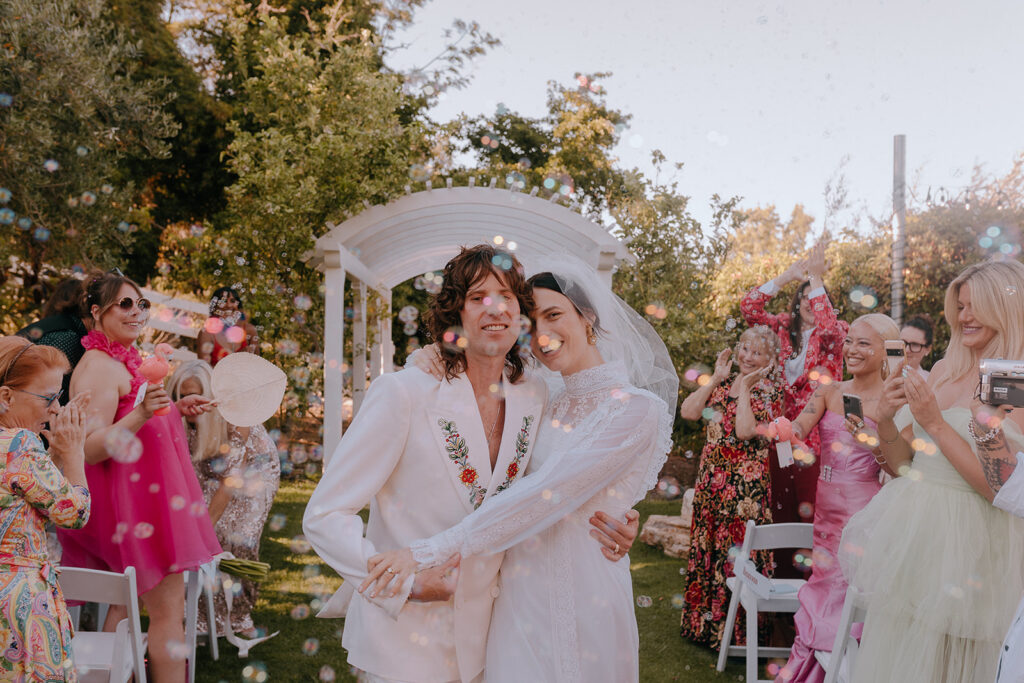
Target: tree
{"x":65,"y":141}
{"x":317,"y":132}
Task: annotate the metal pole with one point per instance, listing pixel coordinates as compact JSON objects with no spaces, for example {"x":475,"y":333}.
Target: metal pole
{"x":899,"y":223}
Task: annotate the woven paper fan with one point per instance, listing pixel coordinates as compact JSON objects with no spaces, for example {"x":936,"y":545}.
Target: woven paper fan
{"x":248,"y":389}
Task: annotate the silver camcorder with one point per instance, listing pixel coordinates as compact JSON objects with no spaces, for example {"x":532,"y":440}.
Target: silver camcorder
{"x":1002,"y":382}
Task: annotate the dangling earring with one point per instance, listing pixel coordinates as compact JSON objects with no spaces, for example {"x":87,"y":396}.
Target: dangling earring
{"x":591,"y":337}
{"x":884,"y":370}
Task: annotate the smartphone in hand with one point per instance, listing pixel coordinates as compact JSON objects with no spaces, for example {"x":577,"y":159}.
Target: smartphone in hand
{"x":852,"y":406}
{"x":895,"y":353}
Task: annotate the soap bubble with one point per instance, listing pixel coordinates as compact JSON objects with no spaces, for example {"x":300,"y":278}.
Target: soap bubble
{"x":303,"y":302}
{"x":51,"y":165}
{"x":255,"y":672}
{"x":408,"y":314}
{"x":644,"y":601}
{"x":6,"y":216}
{"x":455,"y":339}
{"x":123,"y":446}
{"x":277,"y":522}
{"x":299,"y":612}
{"x":310,"y":647}
{"x":410,"y":328}
{"x":143,"y":530}
{"x":5,"y":195}
{"x":41,"y":234}
{"x":327,"y":674}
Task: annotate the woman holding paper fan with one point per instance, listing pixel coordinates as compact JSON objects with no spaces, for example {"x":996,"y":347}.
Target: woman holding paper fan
{"x":849,"y":479}
{"x":240,"y":472}
{"x":733,"y":483}
{"x":148,"y":509}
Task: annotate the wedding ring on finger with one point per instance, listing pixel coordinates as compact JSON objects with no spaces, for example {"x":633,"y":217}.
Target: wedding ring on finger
{"x":616,"y":551}
{"x":389,"y":570}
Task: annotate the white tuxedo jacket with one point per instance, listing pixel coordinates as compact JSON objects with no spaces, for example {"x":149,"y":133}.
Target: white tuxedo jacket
{"x":417,"y":453}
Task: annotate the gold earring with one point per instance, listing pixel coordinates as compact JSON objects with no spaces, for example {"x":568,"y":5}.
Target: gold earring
{"x":884,"y":370}
{"x":591,"y":337}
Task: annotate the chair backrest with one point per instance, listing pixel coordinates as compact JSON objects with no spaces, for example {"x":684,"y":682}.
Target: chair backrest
{"x":111,"y":588}
{"x":788,"y":535}
{"x":93,"y":585}
{"x":770,"y":536}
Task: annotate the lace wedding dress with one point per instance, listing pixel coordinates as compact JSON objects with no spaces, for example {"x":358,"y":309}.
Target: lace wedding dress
{"x":565,"y":612}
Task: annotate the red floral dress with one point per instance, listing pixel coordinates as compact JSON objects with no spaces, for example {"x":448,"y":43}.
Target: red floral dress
{"x":798,"y":483}
{"x":733,"y":485}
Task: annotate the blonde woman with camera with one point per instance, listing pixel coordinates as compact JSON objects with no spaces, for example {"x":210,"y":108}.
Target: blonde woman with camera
{"x":941,"y":566}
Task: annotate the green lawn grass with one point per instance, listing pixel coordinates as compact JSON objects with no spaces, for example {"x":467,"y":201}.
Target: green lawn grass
{"x":306,"y":645}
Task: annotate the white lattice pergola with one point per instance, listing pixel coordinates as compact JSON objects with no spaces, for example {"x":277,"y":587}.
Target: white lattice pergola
{"x":386,"y":245}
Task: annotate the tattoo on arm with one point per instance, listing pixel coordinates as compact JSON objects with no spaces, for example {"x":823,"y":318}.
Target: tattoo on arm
{"x":997,"y":468}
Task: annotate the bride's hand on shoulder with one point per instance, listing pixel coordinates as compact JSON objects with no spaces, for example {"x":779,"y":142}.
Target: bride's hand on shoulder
{"x":427,"y":359}
{"x":388,"y":572}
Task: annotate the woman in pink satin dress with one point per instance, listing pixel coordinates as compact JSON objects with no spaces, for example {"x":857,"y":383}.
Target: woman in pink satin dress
{"x":848,"y":479}
{"x":147,"y":506}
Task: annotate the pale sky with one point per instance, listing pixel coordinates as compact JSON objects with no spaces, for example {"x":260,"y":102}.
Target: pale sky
{"x":765,"y":99}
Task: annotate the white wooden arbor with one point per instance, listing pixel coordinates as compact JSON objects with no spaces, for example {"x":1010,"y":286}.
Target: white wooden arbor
{"x":386,"y":245}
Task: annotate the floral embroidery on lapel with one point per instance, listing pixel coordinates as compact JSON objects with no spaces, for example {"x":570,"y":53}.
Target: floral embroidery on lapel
{"x":458,"y":453}
{"x":522,"y":445}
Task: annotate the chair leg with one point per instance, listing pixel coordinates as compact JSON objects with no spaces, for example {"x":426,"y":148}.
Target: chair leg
{"x":209,"y":577}
{"x":191,"y":615}
{"x":752,"y":644}
{"x":842,"y":639}
{"x":730,"y":622}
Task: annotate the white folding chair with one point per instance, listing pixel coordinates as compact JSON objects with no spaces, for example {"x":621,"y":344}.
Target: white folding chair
{"x":757,"y":593}
{"x":196,"y":582}
{"x":854,"y":610}
{"x":104,"y":656}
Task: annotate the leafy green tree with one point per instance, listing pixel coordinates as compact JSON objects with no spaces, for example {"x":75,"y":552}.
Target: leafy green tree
{"x":73,"y":114}
{"x":318,"y":132}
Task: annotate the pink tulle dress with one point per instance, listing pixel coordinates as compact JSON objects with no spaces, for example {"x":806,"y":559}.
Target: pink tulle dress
{"x":848,"y":479}
{"x":148,"y":513}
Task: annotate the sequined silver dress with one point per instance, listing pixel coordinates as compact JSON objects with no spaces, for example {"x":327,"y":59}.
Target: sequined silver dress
{"x":256,"y":470}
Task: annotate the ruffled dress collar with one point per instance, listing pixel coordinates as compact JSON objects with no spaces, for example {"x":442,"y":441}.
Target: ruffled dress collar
{"x":607,"y":376}
{"x":128,"y":355}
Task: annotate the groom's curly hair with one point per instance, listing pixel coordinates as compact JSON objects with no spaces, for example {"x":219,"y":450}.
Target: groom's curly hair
{"x":472,"y":265}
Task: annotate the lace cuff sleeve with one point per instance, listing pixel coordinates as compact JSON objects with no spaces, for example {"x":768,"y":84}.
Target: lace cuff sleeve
{"x":433,"y":551}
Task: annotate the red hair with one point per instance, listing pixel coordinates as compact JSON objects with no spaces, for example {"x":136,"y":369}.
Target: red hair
{"x":21,"y":361}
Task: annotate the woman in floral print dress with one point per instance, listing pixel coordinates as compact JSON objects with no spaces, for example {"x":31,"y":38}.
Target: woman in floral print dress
{"x":733,"y":483}
{"x":810,"y":353}
{"x":35,"y":629}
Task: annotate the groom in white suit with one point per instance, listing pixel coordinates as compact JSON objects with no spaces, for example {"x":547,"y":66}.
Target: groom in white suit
{"x":424,"y":454}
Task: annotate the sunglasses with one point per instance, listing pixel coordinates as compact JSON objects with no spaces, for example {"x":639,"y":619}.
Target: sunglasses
{"x":49,"y":399}
{"x":126,"y":304}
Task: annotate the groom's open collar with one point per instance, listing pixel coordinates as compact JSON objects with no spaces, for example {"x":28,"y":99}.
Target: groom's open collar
{"x":462,"y":442}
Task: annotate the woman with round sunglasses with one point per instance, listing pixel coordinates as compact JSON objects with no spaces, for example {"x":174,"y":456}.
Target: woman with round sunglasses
{"x":148,"y":509}
{"x":37,"y":485}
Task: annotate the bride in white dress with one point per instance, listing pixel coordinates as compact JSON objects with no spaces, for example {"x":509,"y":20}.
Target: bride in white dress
{"x":565,"y":613}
